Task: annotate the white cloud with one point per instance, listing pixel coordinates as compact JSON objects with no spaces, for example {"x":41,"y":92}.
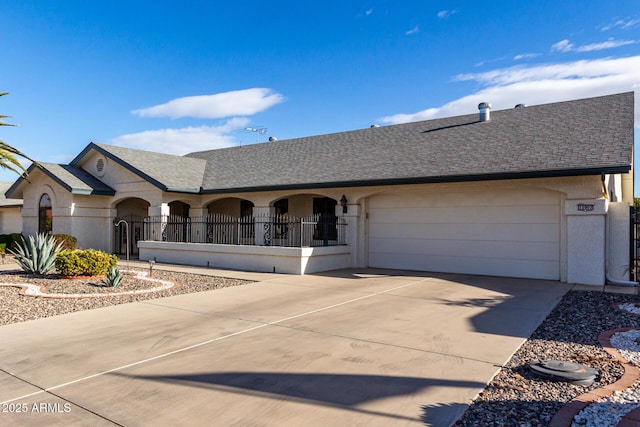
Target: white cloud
{"x":227,"y":104}
{"x":414,"y":30}
{"x":368,"y":12}
{"x":184,"y":140}
{"x":609,"y":44}
{"x":525,"y":56}
{"x":539,"y":84}
{"x":562,"y":46}
{"x":566,"y":46}
{"x":446,"y":13}
{"x":624,"y":24}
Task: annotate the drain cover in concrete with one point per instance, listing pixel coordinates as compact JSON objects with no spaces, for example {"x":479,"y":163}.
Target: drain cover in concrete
{"x":560,"y":370}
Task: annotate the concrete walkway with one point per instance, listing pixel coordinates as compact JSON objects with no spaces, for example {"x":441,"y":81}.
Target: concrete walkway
{"x":368,"y":347}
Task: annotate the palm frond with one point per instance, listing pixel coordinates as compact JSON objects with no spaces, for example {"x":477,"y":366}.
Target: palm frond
{"x":8,"y":153}
{"x":5,"y":123}
{"x":9,"y":161}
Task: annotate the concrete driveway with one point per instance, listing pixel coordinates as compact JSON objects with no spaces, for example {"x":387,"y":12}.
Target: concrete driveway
{"x":368,"y":347}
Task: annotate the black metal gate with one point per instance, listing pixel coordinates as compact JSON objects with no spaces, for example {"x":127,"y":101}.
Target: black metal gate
{"x":135,"y":226}
{"x":634,"y":247}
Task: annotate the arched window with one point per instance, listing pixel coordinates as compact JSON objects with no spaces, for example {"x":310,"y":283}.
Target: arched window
{"x":45,"y":215}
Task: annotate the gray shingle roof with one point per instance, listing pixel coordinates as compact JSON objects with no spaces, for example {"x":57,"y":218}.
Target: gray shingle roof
{"x":75,"y":180}
{"x":4,"y":202}
{"x":581,"y":137}
{"x":170,"y":173}
{"x":585,"y":136}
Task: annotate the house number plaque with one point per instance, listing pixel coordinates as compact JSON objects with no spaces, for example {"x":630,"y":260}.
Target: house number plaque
{"x":585,"y":207}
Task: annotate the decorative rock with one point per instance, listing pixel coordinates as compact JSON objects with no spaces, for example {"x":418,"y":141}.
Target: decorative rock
{"x":20,"y":308}
{"x":609,"y":411}
{"x":570,"y":332}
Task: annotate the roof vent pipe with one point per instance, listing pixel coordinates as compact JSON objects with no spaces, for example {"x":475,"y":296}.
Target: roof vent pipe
{"x":272,"y":139}
{"x":520,"y":105}
{"x":485,"y":111}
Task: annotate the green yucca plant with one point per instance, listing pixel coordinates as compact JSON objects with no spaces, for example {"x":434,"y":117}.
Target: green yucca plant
{"x":37,"y":255}
{"x":113,"y":277}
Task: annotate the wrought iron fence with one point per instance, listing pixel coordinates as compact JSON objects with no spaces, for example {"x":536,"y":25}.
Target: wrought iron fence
{"x":634,"y":249}
{"x":261,"y":230}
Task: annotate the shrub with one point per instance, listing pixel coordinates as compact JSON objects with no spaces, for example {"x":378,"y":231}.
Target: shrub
{"x":37,"y":255}
{"x":89,"y":262}
{"x":15,"y":239}
{"x":113,"y":277}
{"x":11,"y":240}
{"x":98,"y":262}
{"x":67,"y":241}
{"x":69,"y":263}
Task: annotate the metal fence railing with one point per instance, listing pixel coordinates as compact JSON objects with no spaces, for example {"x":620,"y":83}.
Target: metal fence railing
{"x":261,"y":230}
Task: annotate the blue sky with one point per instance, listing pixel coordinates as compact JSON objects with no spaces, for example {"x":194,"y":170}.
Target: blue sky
{"x":178,"y":77}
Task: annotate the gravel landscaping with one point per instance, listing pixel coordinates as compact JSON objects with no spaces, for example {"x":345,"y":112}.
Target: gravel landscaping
{"x":515,"y":397}
{"x":19,"y":308}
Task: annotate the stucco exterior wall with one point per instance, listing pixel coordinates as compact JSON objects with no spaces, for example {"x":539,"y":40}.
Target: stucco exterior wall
{"x":228,"y":206}
{"x":618,"y":241}
{"x":11,"y":219}
{"x":251,"y":258}
{"x":39,"y":185}
{"x":582,"y":234}
{"x":586,"y":236}
{"x":87,"y":217}
{"x":301,"y":205}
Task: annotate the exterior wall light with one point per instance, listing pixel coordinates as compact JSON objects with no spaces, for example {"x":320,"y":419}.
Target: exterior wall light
{"x":343,"y":203}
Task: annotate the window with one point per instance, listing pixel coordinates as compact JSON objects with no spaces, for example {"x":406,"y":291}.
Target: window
{"x":45,"y":215}
{"x":327,"y":227}
{"x":282,"y":206}
{"x":246,"y":208}
{"x":281,"y":228}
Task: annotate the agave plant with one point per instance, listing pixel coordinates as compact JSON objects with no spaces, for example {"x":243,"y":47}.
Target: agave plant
{"x":113,"y":277}
{"x":37,"y":255}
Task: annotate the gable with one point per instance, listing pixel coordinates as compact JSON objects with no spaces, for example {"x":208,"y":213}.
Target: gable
{"x":165,"y":171}
{"x":73,"y":180}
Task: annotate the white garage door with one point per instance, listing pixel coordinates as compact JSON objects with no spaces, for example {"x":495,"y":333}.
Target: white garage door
{"x":502,"y":233}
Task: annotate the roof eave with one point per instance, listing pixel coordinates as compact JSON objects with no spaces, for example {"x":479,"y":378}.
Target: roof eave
{"x":119,"y":161}
{"x":14,"y":187}
{"x":429,"y":180}
{"x":183,"y":190}
{"x":84,"y":192}
{"x":72,"y":190}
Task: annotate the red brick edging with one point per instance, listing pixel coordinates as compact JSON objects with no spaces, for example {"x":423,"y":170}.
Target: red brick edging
{"x":617,"y":305}
{"x":564,"y":417}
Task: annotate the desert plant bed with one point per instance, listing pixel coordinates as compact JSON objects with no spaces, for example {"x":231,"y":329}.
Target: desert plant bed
{"x":59,"y":286}
{"x":17,"y":307}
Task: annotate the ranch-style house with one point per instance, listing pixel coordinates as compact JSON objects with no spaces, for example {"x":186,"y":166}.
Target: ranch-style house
{"x":535,"y":191}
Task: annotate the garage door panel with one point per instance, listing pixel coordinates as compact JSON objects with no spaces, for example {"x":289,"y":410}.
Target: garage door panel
{"x":458,"y":248}
{"x":548,"y":270}
{"x":439,"y":231}
{"x":503,"y":233}
{"x":531,"y":197}
{"x":484,"y":214}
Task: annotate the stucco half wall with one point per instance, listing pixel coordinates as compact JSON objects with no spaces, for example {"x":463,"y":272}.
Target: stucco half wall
{"x":251,"y":258}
